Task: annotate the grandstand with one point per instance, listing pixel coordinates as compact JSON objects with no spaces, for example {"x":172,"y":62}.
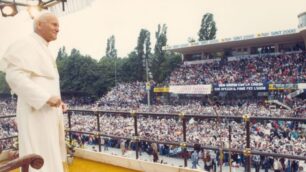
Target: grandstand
{"x":267,"y":66}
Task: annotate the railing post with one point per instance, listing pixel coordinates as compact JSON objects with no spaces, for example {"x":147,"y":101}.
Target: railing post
{"x":183,"y":145}
{"x":136,"y":139}
{"x":230,"y":146}
{"x":247,"y":151}
{"x":69,"y":126}
{"x":221,"y":156}
{"x":99,"y":131}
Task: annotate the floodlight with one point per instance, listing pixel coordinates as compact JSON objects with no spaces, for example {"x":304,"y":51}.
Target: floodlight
{"x":34,"y":10}
{"x":8,"y":10}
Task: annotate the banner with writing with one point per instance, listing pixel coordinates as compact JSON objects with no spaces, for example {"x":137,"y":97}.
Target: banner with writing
{"x":190,"y":89}
{"x":240,"y":87}
{"x":276,"y":87}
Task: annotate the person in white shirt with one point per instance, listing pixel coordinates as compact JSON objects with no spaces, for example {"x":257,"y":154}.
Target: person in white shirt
{"x":31,"y":73}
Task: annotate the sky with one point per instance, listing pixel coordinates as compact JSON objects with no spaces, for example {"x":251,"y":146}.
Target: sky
{"x":88,"y":29}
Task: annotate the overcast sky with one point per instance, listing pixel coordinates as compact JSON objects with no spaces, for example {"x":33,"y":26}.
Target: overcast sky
{"x":87,"y":30}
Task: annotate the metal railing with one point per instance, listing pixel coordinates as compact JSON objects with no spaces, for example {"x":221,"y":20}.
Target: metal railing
{"x":10,"y":137}
{"x":247,"y":152}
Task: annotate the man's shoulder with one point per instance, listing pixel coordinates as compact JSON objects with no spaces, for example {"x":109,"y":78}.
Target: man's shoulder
{"x":21,"y":43}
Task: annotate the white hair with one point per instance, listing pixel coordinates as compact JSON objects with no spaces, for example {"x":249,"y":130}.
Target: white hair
{"x":40,"y":18}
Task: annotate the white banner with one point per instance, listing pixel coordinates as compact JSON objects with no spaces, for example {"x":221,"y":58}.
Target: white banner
{"x":236,"y":58}
{"x":236,"y":38}
{"x":302,"y":86}
{"x":201,"y":61}
{"x":190,"y":89}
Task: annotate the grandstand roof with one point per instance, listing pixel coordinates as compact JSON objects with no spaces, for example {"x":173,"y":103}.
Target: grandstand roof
{"x":267,"y":38}
{"x":304,"y":13}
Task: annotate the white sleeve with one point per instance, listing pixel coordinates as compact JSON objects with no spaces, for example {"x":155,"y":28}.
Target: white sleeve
{"x":21,"y":84}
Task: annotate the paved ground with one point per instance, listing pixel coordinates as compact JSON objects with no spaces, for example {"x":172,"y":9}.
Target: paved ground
{"x":180,"y":162}
{"x":165,"y":159}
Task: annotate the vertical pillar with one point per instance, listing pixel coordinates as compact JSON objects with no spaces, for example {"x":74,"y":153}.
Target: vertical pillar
{"x":136,"y":139}
{"x":183,"y":145}
{"x":69,"y":126}
{"x":230,"y":146}
{"x":247,"y":151}
{"x":99,"y":130}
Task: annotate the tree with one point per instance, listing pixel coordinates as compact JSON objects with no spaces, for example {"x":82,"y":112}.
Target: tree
{"x":208,"y":28}
{"x":78,"y":73}
{"x":106,"y":75}
{"x":191,"y":40}
{"x":159,"y":54}
{"x":61,"y":54}
{"x":111,"y":51}
{"x":143,"y":53}
{"x":130,"y":68}
{"x":4,"y":88}
{"x":85,"y":76}
{"x":171,"y":61}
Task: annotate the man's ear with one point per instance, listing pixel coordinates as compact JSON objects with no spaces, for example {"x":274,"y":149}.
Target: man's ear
{"x":38,"y":25}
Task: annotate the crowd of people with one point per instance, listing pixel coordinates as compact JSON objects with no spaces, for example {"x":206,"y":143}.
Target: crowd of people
{"x":271,"y":136}
{"x":281,"y":69}
{"x":124,"y":95}
{"x":7,"y":106}
{"x":252,"y":108}
{"x":8,"y":126}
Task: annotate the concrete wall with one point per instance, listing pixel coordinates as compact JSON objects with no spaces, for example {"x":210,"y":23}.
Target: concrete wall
{"x":4,"y":156}
{"x":129,"y":163}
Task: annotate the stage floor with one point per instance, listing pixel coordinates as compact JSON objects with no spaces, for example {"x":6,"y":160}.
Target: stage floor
{"x":83,"y":165}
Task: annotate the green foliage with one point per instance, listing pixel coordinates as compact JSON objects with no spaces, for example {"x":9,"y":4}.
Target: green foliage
{"x":61,"y":54}
{"x":85,"y":76}
{"x":143,"y":55}
{"x":208,"y":28}
{"x":4,"y":88}
{"x":111,"y":51}
{"x":106,"y":70}
{"x":131,"y":69}
{"x":163,"y":62}
{"x":78,"y":73}
{"x":159,"y":54}
{"x":171,"y":61}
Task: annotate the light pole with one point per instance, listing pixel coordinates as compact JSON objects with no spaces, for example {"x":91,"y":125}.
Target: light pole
{"x":148,"y":86}
{"x":115,"y":71}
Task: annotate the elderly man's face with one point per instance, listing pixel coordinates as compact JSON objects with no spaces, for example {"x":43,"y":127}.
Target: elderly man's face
{"x":49,"y":28}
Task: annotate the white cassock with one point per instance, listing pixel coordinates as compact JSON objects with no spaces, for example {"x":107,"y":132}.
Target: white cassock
{"x":32,"y":74}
